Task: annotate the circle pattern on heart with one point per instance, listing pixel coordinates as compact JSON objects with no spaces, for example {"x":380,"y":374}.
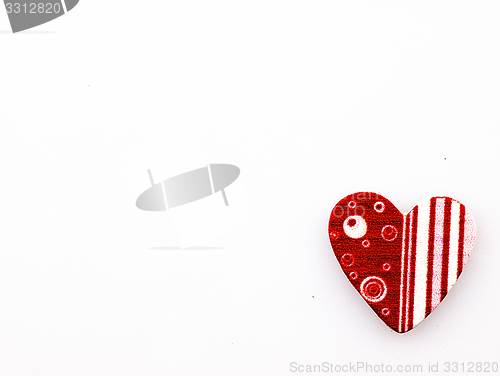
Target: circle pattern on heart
{"x":379,"y":206}
{"x":389,"y":233}
{"x":347,"y":259}
{"x":355,"y":226}
{"x":334,"y":235}
{"x":373,"y":289}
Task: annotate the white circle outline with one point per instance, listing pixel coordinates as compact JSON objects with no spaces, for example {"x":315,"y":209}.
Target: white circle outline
{"x":375,"y":206}
{"x":395,"y":230}
{"x":334,"y":235}
{"x":369,"y":299}
{"x":346,"y":263}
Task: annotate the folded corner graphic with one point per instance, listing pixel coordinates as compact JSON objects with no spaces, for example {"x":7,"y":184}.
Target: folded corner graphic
{"x":26,"y":14}
{"x":188,"y":187}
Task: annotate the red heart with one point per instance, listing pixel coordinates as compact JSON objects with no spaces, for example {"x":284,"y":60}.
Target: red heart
{"x":402,"y":265}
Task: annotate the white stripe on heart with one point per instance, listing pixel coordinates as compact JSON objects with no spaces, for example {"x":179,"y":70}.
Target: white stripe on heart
{"x":438,"y":253}
{"x":454,"y":237}
{"x":469,"y":236}
{"x":421,"y":263}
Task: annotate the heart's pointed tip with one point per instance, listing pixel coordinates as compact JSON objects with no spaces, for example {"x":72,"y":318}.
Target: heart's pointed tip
{"x":401,"y":332}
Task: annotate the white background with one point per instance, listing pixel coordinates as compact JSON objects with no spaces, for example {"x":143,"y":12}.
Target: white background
{"x":313,"y":100}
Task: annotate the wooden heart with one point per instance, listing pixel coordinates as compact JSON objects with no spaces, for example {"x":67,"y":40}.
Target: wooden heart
{"x":402,"y":265}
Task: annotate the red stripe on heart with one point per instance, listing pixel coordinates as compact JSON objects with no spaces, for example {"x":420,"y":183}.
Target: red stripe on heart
{"x":446,"y":247}
{"x":461,"y":241}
